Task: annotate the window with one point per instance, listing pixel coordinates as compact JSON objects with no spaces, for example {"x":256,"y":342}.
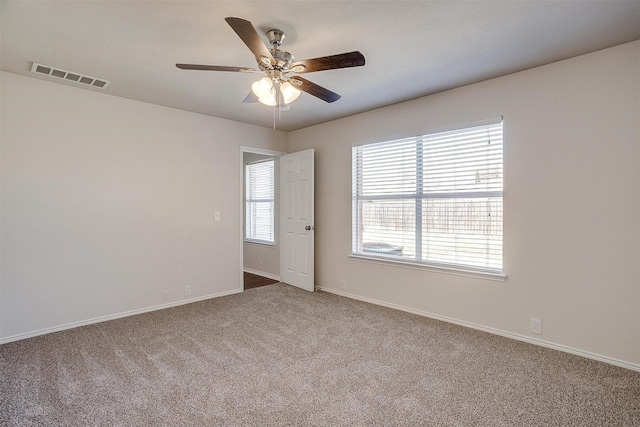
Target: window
{"x":259,"y":201}
{"x":434,"y":199}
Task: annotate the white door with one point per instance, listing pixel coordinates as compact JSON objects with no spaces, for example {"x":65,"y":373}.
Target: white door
{"x":296,"y":219}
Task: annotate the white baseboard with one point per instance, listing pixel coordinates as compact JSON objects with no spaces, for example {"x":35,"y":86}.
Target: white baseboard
{"x":261,"y":273}
{"x":566,"y":349}
{"x":114,"y":316}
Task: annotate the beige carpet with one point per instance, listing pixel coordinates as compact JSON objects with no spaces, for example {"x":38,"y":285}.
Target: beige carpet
{"x":277,"y":355}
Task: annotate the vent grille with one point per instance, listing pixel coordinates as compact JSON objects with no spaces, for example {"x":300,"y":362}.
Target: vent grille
{"x":70,"y":76}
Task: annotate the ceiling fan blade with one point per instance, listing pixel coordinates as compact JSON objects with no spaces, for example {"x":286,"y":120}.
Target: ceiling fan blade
{"x":244,"y":29}
{"x":250,"y":98}
{"x":313,"y":89}
{"x":216,"y":68}
{"x":342,"y":60}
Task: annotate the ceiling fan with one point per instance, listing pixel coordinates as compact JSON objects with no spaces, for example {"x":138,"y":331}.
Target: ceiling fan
{"x":278,"y":87}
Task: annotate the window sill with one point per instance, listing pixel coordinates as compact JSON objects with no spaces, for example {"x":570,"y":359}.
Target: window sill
{"x":259,"y":242}
{"x":478,"y":274}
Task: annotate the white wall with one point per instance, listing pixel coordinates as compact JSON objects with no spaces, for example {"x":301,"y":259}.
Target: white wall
{"x":571,"y":197}
{"x":106,"y":202}
{"x":260,"y":258}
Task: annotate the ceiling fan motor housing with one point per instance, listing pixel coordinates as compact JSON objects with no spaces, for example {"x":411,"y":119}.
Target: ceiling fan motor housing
{"x":283,"y":59}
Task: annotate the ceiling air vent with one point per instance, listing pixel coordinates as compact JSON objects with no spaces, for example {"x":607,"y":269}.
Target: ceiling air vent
{"x":70,"y":76}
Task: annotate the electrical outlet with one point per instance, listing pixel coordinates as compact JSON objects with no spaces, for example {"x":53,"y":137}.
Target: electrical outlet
{"x":343,"y":284}
{"x":536,"y":326}
{"x":165,"y":295}
{"x":187,"y":290}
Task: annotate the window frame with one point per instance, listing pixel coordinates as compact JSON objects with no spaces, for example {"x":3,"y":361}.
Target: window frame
{"x":421,"y":197}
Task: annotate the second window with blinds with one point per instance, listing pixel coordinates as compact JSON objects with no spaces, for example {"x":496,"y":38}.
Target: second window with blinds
{"x":260,"y":201}
{"x":434,"y":200}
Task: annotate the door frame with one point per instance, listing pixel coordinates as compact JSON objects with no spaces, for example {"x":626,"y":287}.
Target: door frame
{"x":253,"y":150}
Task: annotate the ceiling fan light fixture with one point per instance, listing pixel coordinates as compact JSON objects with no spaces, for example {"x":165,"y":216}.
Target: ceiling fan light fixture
{"x":289,"y":93}
{"x":263,"y":87}
{"x":269,"y":100}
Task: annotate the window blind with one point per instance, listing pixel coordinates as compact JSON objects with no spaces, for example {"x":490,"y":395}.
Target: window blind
{"x":433,"y":199}
{"x":260,"y":201}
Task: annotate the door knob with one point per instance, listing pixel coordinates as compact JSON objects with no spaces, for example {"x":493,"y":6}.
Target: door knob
{"x":309,"y":228}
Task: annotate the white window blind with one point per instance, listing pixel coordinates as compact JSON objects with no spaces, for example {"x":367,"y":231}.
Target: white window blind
{"x":259,"y":203}
{"x":434,"y":199}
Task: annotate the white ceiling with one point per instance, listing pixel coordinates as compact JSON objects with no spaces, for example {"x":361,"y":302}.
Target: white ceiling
{"x":412,"y":49}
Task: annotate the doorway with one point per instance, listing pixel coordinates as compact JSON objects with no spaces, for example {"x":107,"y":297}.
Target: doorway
{"x":260,"y":258}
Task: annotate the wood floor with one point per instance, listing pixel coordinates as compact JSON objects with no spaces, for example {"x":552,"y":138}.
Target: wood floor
{"x":254,"y":281}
